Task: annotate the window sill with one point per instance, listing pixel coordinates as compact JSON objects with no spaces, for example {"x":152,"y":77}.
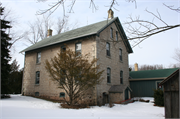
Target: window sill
{"x":121,"y":61}
{"x":36,"y":84}
{"x":38,"y":63}
{"x":112,"y":38}
{"x":108,"y":56}
{"x":109,"y":84}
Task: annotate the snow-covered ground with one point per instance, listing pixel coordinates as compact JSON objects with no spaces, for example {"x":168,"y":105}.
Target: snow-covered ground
{"x":24,"y":107}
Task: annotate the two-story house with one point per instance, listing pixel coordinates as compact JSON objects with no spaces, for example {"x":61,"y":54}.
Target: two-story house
{"x":105,"y":40}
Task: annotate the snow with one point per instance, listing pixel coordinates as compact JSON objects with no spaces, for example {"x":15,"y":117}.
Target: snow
{"x":25,"y":107}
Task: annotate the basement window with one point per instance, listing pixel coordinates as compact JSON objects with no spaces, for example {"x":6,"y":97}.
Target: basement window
{"x":62,"y":94}
{"x":36,"y":93}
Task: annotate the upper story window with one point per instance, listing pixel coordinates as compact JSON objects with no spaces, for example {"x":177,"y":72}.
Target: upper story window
{"x":121,"y":77}
{"x":111,"y":32}
{"x":120,"y":54}
{"x":108,"y":75}
{"x":116,"y":36}
{"x":37,"y":77}
{"x":38,"y":57}
{"x":108,"y":49}
{"x":78,"y":48}
{"x":63,"y":48}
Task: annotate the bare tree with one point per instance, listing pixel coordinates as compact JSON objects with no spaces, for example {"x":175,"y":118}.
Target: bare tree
{"x":177,"y":58}
{"x":14,"y":34}
{"x":177,"y":55}
{"x":151,"y":67}
{"x":54,"y":6}
{"x":38,"y":30}
{"x":145,"y":28}
{"x":137,"y":29}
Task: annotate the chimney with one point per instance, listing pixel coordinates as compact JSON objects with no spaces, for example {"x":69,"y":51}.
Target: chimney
{"x":135,"y":67}
{"x":110,"y":14}
{"x":49,"y":34}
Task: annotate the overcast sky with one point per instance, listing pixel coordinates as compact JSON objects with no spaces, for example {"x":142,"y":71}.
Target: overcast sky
{"x":158,"y":49}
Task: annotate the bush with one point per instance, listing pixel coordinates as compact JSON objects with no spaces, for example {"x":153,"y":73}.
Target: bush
{"x":158,"y":97}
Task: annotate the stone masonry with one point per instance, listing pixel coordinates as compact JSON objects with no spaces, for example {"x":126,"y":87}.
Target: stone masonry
{"x":96,"y":46}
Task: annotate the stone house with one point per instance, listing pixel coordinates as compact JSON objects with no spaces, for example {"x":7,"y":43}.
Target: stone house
{"x":105,"y":40}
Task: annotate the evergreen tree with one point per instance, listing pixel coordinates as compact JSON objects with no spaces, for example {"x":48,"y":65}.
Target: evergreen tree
{"x":15,"y":78}
{"x":5,"y":56}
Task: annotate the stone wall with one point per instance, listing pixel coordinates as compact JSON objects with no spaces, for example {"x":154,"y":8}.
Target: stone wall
{"x":96,"y":46}
{"x":112,"y":62}
{"x":46,"y":87}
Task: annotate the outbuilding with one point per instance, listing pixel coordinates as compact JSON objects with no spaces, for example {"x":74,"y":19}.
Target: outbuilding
{"x":171,"y":95}
{"x":144,"y":82}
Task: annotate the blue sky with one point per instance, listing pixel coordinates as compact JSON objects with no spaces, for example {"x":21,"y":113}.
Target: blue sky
{"x":158,"y":49}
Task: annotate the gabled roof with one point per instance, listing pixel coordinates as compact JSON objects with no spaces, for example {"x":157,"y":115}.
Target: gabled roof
{"x":169,"y":77}
{"x":118,"y":88}
{"x":93,"y":29}
{"x":150,"y":74}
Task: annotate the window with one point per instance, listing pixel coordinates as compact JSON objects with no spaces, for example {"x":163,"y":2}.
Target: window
{"x":121,"y":77}
{"x":108,"y":75}
{"x":63,"y":48}
{"x":37,"y":77}
{"x":78,"y":48}
{"x":107,"y":49}
{"x":62,"y":94}
{"x":111,"y":32}
{"x":38,"y":57}
{"x":120,"y":54}
{"x":36,"y":93}
{"x":157,"y":85}
{"x":116,"y":36}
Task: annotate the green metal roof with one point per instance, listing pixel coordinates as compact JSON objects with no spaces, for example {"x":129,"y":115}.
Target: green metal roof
{"x":160,"y":73}
{"x":93,"y":29}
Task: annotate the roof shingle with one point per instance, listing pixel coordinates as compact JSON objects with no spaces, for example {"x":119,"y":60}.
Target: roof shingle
{"x":76,"y":33}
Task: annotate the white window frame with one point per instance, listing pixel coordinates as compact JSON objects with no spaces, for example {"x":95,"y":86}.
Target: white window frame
{"x":120,"y":54}
{"x":108,"y":52}
{"x":111,"y":32}
{"x":38,"y":60}
{"x":116,"y":35}
{"x":109,"y":74}
{"x":37,"y":78}
{"x":79,"y":50}
{"x":157,"y":85}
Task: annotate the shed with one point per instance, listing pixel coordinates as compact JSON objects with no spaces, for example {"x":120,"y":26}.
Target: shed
{"x":116,"y":91}
{"x":171,"y":95}
{"x":144,"y":82}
